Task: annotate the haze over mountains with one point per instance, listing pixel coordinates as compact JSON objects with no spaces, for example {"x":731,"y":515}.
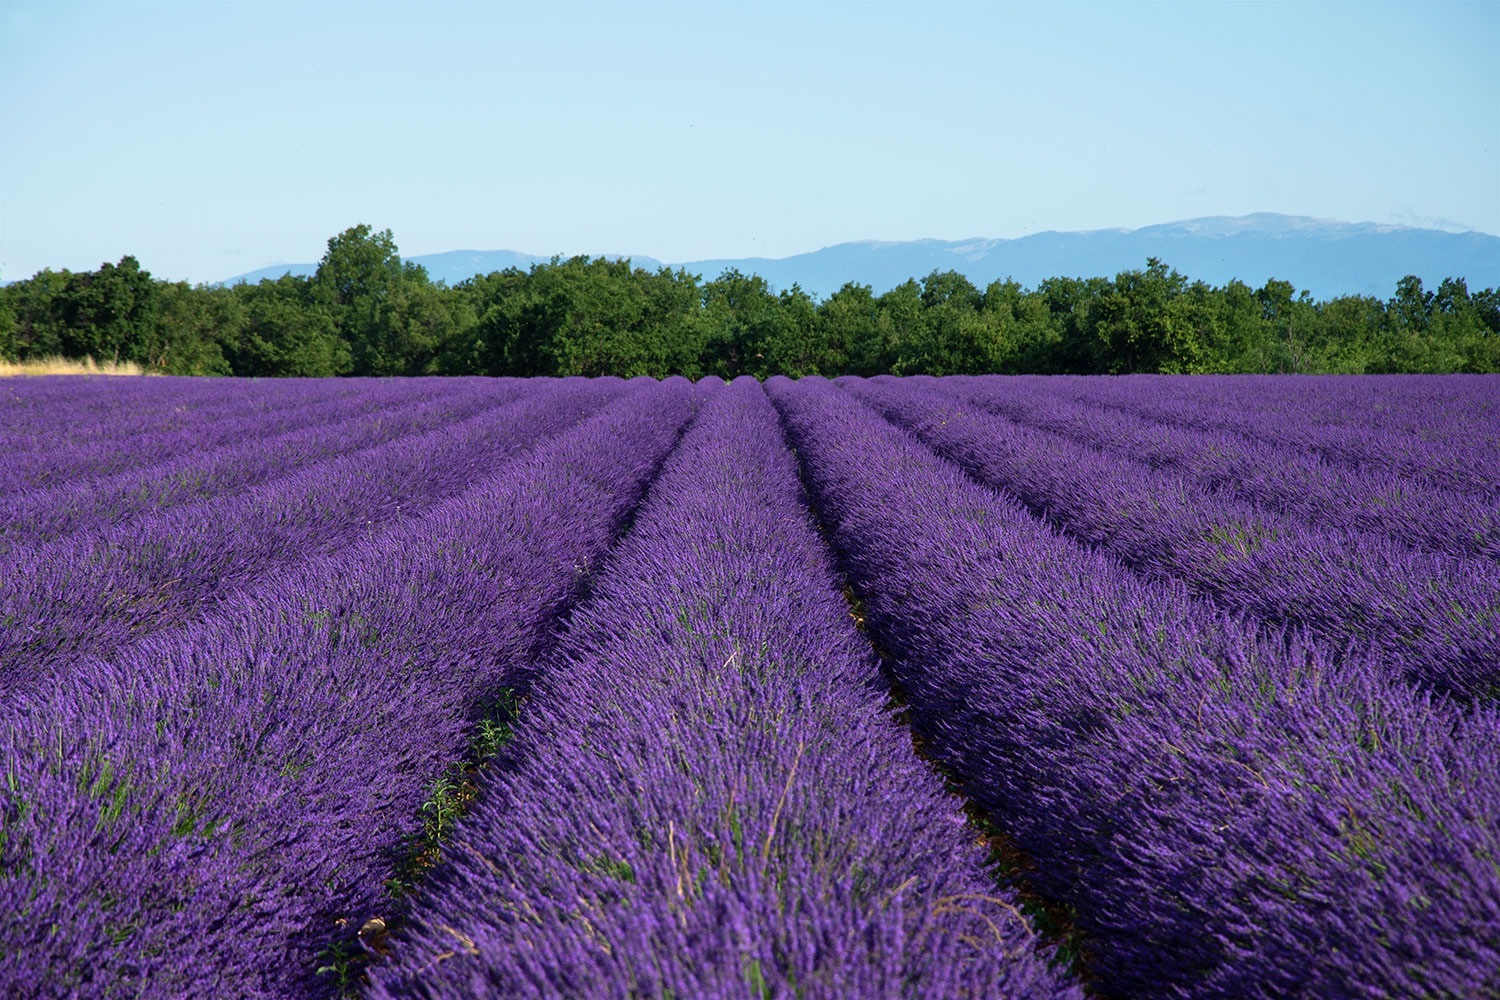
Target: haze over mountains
{"x":1323,"y":256}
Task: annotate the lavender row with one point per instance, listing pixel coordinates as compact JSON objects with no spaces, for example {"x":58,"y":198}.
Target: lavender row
{"x":148,"y":420}
{"x":30,"y":404}
{"x":88,"y":594}
{"x":1279,"y":478}
{"x":1431,"y":408}
{"x":1220,"y":814}
{"x":1461,"y":452}
{"x":208,"y":811}
{"x":72,"y":450}
{"x":1434,"y":618}
{"x":259,"y":454}
{"x":707,"y":796}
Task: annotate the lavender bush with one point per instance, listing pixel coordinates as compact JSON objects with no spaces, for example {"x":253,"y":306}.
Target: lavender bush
{"x":205,"y":812}
{"x":263,"y":643}
{"x":1282,"y":478}
{"x":1220,"y":813}
{"x":86,"y":428}
{"x":1434,"y":618}
{"x":87,"y":594}
{"x":318,"y":431}
{"x":1441,"y":431}
{"x":707,"y":797}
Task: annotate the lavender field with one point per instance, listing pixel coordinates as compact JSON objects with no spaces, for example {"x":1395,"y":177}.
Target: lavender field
{"x":926,"y":687}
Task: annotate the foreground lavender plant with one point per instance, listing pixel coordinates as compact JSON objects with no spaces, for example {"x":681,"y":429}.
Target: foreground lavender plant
{"x":1223,"y":815}
{"x":203,"y":813}
{"x":706,"y":797}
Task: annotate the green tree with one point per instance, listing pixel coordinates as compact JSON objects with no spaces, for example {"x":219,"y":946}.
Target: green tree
{"x":35,"y":307}
{"x":740,"y":316}
{"x":1070,"y":303}
{"x":673,"y":309}
{"x":1346,"y":335}
{"x":489,"y":344}
{"x":851,"y":332}
{"x":1137,"y":325}
{"x":1245,"y":341}
{"x":786,"y":338}
{"x":952,"y":336}
{"x":604,"y":324}
{"x":1292,"y":325}
{"x":359,"y":273}
{"x":1486,"y":304}
{"x":417,"y":325}
{"x":902,"y":328}
{"x":1020,"y":332}
{"x":109,"y":313}
{"x":1415,"y":331}
{"x":1411,"y":307}
{"x":366,"y":312}
{"x":287,"y":331}
{"x":8,"y":327}
{"x":1480,"y":312}
{"x":193,"y":324}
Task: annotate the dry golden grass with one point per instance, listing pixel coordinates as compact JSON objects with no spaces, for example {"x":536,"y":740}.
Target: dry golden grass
{"x":69,"y":366}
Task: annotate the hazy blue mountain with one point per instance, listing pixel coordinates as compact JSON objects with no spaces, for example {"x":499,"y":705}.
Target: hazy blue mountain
{"x":1323,"y":256}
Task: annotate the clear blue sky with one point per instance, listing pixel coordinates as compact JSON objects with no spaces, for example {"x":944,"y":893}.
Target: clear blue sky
{"x":211,"y":138}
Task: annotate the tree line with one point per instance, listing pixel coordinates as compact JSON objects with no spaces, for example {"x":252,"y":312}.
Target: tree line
{"x":366,"y":312}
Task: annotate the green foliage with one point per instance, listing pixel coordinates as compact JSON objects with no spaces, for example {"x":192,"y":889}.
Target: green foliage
{"x":343,"y":962}
{"x":849,"y":331}
{"x":755,"y":979}
{"x":188,"y":335}
{"x":1134,"y":327}
{"x":612,"y":319}
{"x":109,"y":313}
{"x":286,"y":330}
{"x":34,"y":305}
{"x":451,"y":793}
{"x":359,"y":266}
{"x":365,"y":312}
{"x":9,"y":329}
{"x":414,"y":324}
{"x":359,"y":283}
{"x":740,"y":317}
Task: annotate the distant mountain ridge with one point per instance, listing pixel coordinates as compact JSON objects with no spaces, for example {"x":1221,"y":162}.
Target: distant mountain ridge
{"x":1326,"y":257}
